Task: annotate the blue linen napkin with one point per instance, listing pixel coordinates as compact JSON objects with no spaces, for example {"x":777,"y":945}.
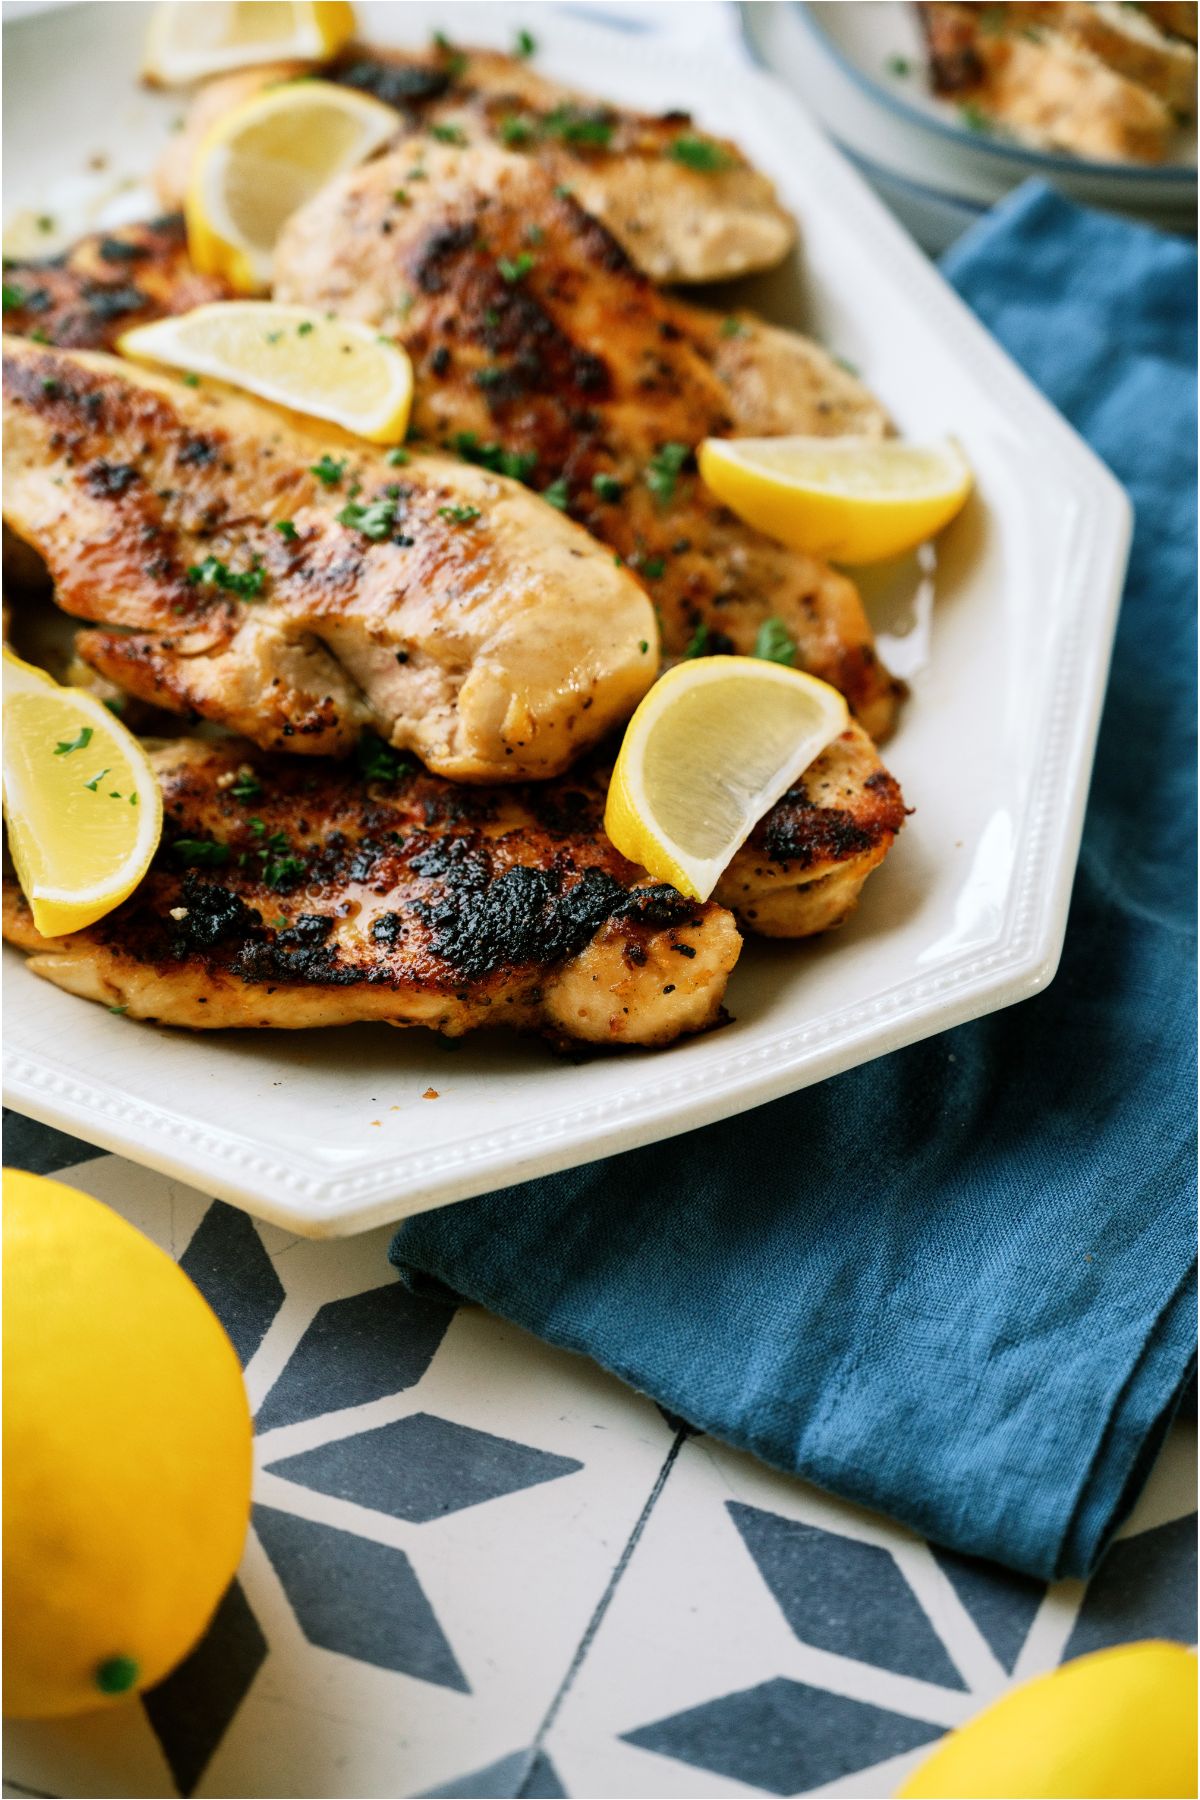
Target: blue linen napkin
{"x":968,"y":1302}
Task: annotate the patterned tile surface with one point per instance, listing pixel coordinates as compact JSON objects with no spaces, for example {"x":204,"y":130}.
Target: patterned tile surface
{"x":478,"y":1566}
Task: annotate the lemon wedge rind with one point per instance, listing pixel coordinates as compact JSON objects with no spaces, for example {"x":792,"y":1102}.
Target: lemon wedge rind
{"x":261,"y":161}
{"x":84,"y":823}
{"x":851,"y":500}
{"x":709,"y":750}
{"x":189,"y":42}
{"x":333,"y":369}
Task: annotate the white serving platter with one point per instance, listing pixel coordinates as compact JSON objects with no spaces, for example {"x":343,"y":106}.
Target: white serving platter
{"x":331,"y":1132}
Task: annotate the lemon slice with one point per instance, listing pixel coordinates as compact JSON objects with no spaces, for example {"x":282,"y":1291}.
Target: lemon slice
{"x":84,"y":809}
{"x":711,"y":747}
{"x":262,"y":160}
{"x":853,"y":500}
{"x":187,"y":42}
{"x":329,"y":368}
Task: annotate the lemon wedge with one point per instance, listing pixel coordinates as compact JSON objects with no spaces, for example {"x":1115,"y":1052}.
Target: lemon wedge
{"x":853,"y":500}
{"x":84,"y":809}
{"x":262,"y":160}
{"x":331,"y":369}
{"x":187,"y":42}
{"x":711,"y":747}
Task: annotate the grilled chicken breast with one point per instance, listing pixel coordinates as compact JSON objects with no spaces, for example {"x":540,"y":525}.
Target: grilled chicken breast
{"x":293,"y":894}
{"x":538,"y":348}
{"x":1067,"y":77}
{"x":460,"y":617}
{"x":686,"y":207}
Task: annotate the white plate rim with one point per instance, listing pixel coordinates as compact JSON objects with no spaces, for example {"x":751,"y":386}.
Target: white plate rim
{"x":284,"y":1188}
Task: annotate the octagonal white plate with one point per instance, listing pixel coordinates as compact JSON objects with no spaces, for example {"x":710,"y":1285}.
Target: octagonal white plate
{"x":332,"y":1132}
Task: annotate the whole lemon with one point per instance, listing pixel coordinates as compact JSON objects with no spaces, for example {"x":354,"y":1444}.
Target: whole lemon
{"x":126,"y":1455}
{"x":1117,"y":1725}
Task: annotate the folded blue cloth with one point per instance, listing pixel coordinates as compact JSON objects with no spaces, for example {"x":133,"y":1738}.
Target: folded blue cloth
{"x":956,"y":1284}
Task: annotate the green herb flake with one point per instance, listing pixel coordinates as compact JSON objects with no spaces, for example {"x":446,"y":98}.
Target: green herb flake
{"x":247,"y":787}
{"x":200,"y":853}
{"x":644,"y":646}
{"x":459,"y":515}
{"x":448,"y":134}
{"x":374,"y":520}
{"x":974,"y":118}
{"x":94,"y":783}
{"x":286,"y":530}
{"x":190,"y":380}
{"x":562,"y":192}
{"x":115,"y":704}
{"x":607,"y":488}
{"x":699,"y":153}
{"x":329,"y":470}
{"x":574,"y":126}
{"x":212,"y":572}
{"x":513,"y":269}
{"x":119,"y":1010}
{"x":653,"y":567}
{"x":79,"y":742}
{"x":518,"y":465}
{"x":377,"y":761}
{"x":898,"y":65}
{"x":398,"y":457}
{"x":50,"y":387}
{"x":843,"y":362}
{"x":557,"y":494}
{"x":304,"y":327}
{"x":526,"y":44}
{"x":274,"y":337}
{"x":663,"y":471}
{"x":731,"y":328}
{"x":45,"y":223}
{"x":401,"y":197}
{"x":14,"y":296}
{"x":698,"y":643}
{"x":775,"y":643}
{"x":514,"y":131}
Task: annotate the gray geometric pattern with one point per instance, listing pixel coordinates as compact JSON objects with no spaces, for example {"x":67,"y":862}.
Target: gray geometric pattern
{"x":421,"y":1467}
{"x":193,"y":1707}
{"x":357,"y":1349}
{"x":357,"y":1597}
{"x":783,"y":1736}
{"x":525,"y":1775}
{"x":845,"y":1596}
{"x":1144,"y":1588}
{"x":357,"y":1600}
{"x":227,"y":1262}
{"x":41,"y":1149}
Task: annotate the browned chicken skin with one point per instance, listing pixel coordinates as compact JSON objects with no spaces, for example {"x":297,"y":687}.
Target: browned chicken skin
{"x":474,"y":625}
{"x":293,"y":894}
{"x":686,"y":206}
{"x":538,"y":347}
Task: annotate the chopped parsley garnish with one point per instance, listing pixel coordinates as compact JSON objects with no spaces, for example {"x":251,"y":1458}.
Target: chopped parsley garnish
{"x":80,"y":742}
{"x":699,"y":153}
{"x":286,"y":530}
{"x":190,"y":380}
{"x":49,"y":386}
{"x":898,"y":65}
{"x":974,"y":117}
{"x":518,"y":465}
{"x":664,"y":469}
{"x":94,"y":783}
{"x":247,"y":787}
{"x":448,"y":134}
{"x":460,"y":515}
{"x":329,"y":470}
{"x":576,"y":127}
{"x":274,"y":337}
{"x":374,"y":520}
{"x":304,"y":327}
{"x":513,"y":131}
{"x":400,"y":196}
{"x":456,"y":62}
{"x":119,"y":1009}
{"x":775,"y":643}
{"x":488,"y":376}
{"x":200,"y":853}
{"x":14,"y":296}
{"x":732,"y":328}
{"x":563,"y":192}
{"x":843,"y":362}
{"x":697,"y":643}
{"x":115,"y":704}
{"x":377,"y":761}
{"x":534,"y":235}
{"x":607,"y":487}
{"x":514,"y":269}
{"x":212,"y":572}
{"x":526,"y":44}
{"x":556,"y":494}
{"x":644,"y":646}
{"x":653,"y":567}
{"x":45,"y":223}
{"x":398,"y":457}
